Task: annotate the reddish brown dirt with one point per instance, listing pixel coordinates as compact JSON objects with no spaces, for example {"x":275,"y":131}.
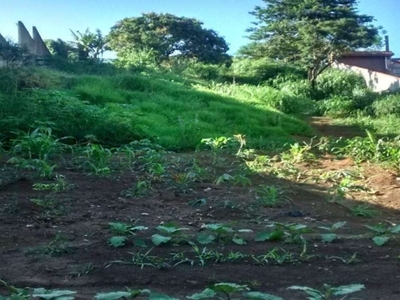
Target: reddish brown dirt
{"x":82,"y":214}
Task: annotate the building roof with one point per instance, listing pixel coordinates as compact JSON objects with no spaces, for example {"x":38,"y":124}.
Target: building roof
{"x":369,"y":54}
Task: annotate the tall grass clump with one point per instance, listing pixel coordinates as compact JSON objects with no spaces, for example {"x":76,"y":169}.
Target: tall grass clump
{"x":284,"y":100}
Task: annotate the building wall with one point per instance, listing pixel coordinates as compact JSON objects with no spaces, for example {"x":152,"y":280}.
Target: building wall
{"x":368,"y":62}
{"x":377,"y":81}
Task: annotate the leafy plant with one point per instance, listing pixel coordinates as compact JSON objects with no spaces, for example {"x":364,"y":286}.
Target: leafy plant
{"x":39,"y":144}
{"x":39,"y":293}
{"x":56,"y":247}
{"x":331,"y":236}
{"x":227,"y":290}
{"x":290,"y":233}
{"x":275,"y":256}
{"x":42,"y":167}
{"x":122,"y":294}
{"x":95,"y":159}
{"x":142,"y":260}
{"x":328,"y":291}
{"x":121,"y":232}
{"x":383,"y":233}
{"x":270,"y":196}
{"x":60,"y":185}
{"x":170,"y":233}
{"x":204,"y":254}
{"x":142,"y":188}
{"x":298,"y":153}
{"x":364,"y":210}
{"x":220,"y":233}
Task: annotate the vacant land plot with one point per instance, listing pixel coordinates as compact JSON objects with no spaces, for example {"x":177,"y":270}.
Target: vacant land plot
{"x":178,"y":223}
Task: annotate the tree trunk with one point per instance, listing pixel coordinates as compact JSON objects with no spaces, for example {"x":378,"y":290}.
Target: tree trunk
{"x":312,"y":76}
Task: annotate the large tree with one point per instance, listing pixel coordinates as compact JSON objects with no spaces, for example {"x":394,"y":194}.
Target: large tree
{"x":89,"y":44}
{"x":168,"y":35}
{"x":312,"y":33}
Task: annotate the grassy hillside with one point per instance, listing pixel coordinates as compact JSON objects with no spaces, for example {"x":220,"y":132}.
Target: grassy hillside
{"x":173,"y":111}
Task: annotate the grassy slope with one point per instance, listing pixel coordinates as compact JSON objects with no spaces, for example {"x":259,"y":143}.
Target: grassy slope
{"x":166,"y":109}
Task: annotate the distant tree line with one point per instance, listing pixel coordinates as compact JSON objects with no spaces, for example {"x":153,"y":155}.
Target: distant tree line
{"x":311,"y":34}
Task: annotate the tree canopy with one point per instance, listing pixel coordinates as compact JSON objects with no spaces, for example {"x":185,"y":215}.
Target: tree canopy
{"x":168,"y":35}
{"x":312,"y":33}
{"x":89,"y":44}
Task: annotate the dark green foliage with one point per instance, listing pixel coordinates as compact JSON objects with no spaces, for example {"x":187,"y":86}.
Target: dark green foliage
{"x":89,"y":44}
{"x":336,"y":107}
{"x":13,"y":55}
{"x":338,"y":83}
{"x":164,"y":108}
{"x":168,"y":35}
{"x":344,"y":94}
{"x":311,"y":33}
{"x":388,"y":105}
{"x":259,"y":71}
{"x":59,"y":49}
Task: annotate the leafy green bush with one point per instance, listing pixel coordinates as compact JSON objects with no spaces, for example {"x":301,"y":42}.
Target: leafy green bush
{"x":389,"y":105}
{"x":336,"y":82}
{"x":258,"y":71}
{"x":336,"y":107}
{"x":138,"y":60}
{"x":206,"y":71}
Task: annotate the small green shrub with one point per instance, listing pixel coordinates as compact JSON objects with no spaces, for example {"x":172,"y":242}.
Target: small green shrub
{"x":336,"y":107}
{"x":334,"y":82}
{"x":389,"y":105}
{"x":258,"y":71}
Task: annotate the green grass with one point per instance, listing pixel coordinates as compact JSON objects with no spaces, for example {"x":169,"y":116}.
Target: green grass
{"x":165,"y":108}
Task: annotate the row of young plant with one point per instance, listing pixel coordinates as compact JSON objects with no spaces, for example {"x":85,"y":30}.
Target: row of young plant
{"x":220,"y":290}
{"x":171,"y":234}
{"x":38,"y":151}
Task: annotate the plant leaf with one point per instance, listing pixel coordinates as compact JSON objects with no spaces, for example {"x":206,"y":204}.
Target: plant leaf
{"x":328,"y":237}
{"x":261,"y":296}
{"x":53,"y":294}
{"x":347,"y":289}
{"x":138,"y":228}
{"x":380,"y":240}
{"x":117,"y":241}
{"x":238,"y":240}
{"x":207,"y":293}
{"x":205,"y":238}
{"x":312,"y":292}
{"x":338,"y":225}
{"x":119,"y":228}
{"x":263,"y":236}
{"x":170,"y":229}
{"x":245,"y":230}
{"x":377,"y":228}
{"x":140,"y":243}
{"x":112,"y":295}
{"x":395,"y":229}
{"x":158,"y":239}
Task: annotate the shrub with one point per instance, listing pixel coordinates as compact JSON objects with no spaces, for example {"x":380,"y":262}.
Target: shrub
{"x":258,"y":71}
{"x":336,"y":107}
{"x":206,"y":71}
{"x":389,"y":105}
{"x":336,"y":82}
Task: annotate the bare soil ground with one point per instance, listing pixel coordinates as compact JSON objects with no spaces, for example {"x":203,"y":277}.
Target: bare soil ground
{"x":60,"y":240}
